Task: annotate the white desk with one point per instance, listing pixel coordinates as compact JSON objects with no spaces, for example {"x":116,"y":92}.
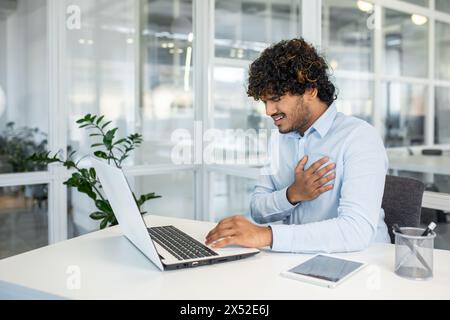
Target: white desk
{"x":111,"y":268}
{"x":401,"y":160}
{"x":420,"y":163}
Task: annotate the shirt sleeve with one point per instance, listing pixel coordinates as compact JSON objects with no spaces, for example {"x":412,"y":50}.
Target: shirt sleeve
{"x":268,"y":205}
{"x":365,"y":167}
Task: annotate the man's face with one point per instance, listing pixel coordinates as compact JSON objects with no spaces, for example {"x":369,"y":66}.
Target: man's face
{"x":289,"y":113}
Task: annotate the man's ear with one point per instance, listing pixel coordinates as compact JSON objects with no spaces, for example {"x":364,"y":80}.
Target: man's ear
{"x":311,"y":94}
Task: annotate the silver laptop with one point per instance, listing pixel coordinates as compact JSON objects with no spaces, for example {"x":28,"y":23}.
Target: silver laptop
{"x":168,"y":247}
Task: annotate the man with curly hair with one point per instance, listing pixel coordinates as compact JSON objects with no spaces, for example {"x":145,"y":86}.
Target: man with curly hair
{"x":328,"y":183}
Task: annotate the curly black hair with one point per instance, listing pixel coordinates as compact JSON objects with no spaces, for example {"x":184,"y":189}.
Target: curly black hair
{"x":290,"y":66}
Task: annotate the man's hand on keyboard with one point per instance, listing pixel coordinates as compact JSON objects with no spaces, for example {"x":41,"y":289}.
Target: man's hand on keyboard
{"x":238,"y":230}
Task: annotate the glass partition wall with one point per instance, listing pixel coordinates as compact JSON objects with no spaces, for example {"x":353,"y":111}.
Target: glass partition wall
{"x":131,"y":61}
{"x":171,"y":68}
{"x":399,"y":51}
{"x":24,"y":126}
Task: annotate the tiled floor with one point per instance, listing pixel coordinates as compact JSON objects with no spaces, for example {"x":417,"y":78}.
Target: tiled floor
{"x":22,"y":230}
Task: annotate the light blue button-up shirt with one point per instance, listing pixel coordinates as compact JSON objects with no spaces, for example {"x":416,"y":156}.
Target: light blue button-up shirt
{"x":347,"y":218}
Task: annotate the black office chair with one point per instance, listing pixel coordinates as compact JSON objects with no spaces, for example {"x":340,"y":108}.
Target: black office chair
{"x":402,"y":202}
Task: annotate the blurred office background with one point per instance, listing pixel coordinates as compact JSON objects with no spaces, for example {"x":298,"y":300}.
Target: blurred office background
{"x":154,"y":66}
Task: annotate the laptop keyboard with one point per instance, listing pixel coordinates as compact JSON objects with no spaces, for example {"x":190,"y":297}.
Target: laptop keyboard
{"x":179,"y":244}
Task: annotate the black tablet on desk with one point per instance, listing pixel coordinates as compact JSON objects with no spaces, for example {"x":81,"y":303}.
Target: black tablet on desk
{"x":324,"y":270}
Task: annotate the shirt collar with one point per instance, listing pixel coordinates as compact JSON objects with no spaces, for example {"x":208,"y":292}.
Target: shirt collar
{"x":322,"y":125}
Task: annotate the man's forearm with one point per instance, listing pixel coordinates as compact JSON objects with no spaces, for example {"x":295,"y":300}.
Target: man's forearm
{"x":270,"y":207}
{"x":325,"y":236}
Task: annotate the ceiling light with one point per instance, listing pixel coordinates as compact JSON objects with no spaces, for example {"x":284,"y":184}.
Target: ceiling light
{"x":364,"y":6}
{"x":419,"y":20}
{"x":334,"y":64}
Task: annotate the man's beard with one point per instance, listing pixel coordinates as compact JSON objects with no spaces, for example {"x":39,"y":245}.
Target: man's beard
{"x":304,"y":116}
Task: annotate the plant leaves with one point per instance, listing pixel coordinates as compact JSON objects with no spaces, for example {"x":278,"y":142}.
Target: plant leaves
{"x":120,"y":141}
{"x":146,"y":197}
{"x":98,"y":215}
{"x":101,"y":155}
{"x":86,"y":188}
{"x":99,"y":120}
{"x":114,"y":223}
{"x":106,"y":124}
{"x":103,"y":206}
{"x":85,"y":180}
{"x":109,"y":137}
{"x":85,"y":173}
{"x":69,"y":164}
{"x":71,"y":154}
{"x":111,"y":133}
{"x":93,"y":173}
{"x":44,"y":158}
{"x":104,"y":224}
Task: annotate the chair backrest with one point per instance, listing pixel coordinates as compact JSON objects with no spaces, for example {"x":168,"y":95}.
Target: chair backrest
{"x":402,"y":202}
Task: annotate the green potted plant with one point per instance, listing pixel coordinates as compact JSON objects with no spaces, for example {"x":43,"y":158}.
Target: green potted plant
{"x":17,"y":145}
{"x":108,"y":148}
